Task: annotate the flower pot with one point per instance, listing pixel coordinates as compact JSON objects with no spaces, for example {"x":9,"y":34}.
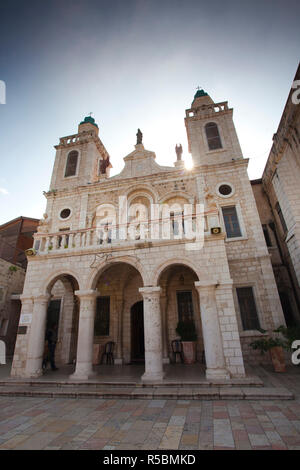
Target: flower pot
{"x":189,"y":351}
{"x":277,"y":356}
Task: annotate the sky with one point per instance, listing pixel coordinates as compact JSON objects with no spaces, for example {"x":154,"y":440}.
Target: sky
{"x":135,"y":64}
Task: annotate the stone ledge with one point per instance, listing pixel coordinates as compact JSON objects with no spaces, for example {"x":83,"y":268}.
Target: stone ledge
{"x":267,"y":393}
{"x":93,"y":383}
{"x":200,"y":393}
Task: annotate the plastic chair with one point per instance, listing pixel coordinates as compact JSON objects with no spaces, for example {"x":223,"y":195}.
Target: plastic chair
{"x":108,"y":353}
{"x":177,"y":349}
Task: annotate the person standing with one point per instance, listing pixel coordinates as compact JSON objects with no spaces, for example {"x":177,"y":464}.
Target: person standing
{"x":51,"y":337}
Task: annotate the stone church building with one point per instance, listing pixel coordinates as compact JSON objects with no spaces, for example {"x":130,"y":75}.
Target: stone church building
{"x":101,"y":285}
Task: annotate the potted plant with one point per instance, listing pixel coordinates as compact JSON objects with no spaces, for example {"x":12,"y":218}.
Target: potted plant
{"x":275,"y":346}
{"x":188,"y":335}
{"x":290,"y":334}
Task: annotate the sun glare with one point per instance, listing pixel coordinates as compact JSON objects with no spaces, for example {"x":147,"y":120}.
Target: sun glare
{"x":189,"y":164}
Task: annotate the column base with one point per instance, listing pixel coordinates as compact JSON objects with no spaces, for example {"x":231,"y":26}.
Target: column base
{"x":146,"y":378}
{"x":34,"y":375}
{"x":82,"y":376}
{"x":119,"y":362}
{"x":217,"y":374}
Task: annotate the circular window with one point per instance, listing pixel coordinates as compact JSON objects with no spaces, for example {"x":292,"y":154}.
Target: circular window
{"x":65,"y":213}
{"x":225,"y":190}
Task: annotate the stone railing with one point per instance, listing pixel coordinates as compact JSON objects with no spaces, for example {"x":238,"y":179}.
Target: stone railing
{"x":76,"y":138}
{"x":113,"y":236}
{"x":207,"y":109}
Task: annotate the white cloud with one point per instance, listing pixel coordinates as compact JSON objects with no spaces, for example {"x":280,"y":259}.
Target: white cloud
{"x":3,"y":191}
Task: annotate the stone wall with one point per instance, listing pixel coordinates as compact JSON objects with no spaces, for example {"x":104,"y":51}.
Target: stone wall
{"x":11,"y":282}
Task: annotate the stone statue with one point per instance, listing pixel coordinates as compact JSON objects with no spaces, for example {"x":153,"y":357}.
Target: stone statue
{"x":44,"y":224}
{"x":103,"y":165}
{"x":178,"y":150}
{"x":139,"y":137}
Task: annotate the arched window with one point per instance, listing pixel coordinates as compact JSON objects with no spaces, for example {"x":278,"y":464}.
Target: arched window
{"x":71,"y":165}
{"x":213,"y":136}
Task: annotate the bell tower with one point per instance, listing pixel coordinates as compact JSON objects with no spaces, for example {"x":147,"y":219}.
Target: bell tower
{"x":80,"y":158}
{"x":211,"y":132}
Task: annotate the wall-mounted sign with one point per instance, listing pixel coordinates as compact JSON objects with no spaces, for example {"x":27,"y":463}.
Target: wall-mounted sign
{"x":22,"y":330}
{"x":25,"y":319}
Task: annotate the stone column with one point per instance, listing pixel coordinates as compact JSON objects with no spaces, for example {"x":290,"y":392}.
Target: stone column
{"x":119,"y":303}
{"x":164,"y":303}
{"x":212,"y":338}
{"x":84,"y":359}
{"x":21,"y":347}
{"x":153,"y":334}
{"x":36,"y":343}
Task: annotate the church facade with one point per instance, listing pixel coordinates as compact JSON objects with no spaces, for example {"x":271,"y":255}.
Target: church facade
{"x":125,"y":258}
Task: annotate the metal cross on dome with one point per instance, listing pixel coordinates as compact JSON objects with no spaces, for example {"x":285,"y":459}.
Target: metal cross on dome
{"x":90,"y":114}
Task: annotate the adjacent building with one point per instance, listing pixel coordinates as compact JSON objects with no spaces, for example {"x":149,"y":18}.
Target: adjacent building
{"x":15,"y":237}
{"x":281,"y":187}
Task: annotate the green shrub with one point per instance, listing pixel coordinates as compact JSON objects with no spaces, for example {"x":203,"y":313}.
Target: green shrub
{"x":265,"y":344}
{"x":290,"y":333}
{"x":186,"y":330}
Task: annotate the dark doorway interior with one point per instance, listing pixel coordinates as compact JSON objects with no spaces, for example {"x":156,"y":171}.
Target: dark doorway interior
{"x":137,"y":333}
{"x":53,"y":313}
{"x":287,"y":309}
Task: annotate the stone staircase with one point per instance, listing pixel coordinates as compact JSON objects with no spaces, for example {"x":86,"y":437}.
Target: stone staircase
{"x":249,"y":388}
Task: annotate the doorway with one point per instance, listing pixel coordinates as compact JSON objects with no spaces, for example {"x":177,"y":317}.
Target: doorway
{"x":53,"y":313}
{"x":137,"y":333}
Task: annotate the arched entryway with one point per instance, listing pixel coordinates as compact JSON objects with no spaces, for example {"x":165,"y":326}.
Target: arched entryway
{"x":117,"y":291}
{"x":179,"y":303}
{"x":137,"y":333}
{"x":63,"y":311}
{"x":56,"y":305}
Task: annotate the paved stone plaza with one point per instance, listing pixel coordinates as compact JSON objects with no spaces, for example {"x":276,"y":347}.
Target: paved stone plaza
{"x":47,"y":423}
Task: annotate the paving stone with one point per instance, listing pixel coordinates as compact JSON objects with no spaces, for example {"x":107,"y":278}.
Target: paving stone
{"x":37,"y":442}
{"x":171,"y":438}
{"x":213,"y":421}
{"x":157,"y":403}
{"x":223,"y":433}
{"x":258,"y":440}
{"x":14,"y":441}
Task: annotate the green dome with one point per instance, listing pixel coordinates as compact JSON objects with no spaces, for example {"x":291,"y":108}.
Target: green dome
{"x":200,"y":93}
{"x":90,"y":120}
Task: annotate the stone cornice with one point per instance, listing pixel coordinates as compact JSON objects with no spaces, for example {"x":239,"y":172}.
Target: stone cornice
{"x":82,"y":138}
{"x":110,"y":250}
{"x":112,"y":184}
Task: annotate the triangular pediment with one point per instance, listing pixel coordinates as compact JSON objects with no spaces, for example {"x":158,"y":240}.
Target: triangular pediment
{"x":141,"y":162}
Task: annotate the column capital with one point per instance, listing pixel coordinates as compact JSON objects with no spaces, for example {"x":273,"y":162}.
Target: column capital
{"x":150,"y":290}
{"x":41,"y":299}
{"x":86,"y":294}
{"x":207,"y":284}
{"x":214,"y":283}
{"x":26,"y":298}
{"x":225,"y":284}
